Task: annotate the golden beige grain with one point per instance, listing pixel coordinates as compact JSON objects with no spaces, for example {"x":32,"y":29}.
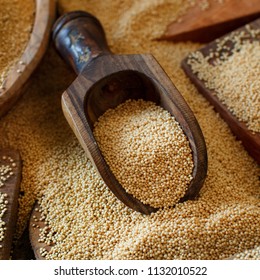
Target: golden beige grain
{"x":83,"y":217}
{"x":147,"y":151}
{"x":16,"y":21}
{"x":3,"y":208}
{"x":253,"y":254}
{"x":234,"y":77}
{"x":6,"y":172}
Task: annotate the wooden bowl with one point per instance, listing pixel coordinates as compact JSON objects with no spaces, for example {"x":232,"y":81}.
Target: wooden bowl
{"x":19,"y":74}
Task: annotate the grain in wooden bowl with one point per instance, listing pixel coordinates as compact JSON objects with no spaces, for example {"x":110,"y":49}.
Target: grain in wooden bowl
{"x":14,"y":33}
{"x":227,"y":72}
{"x":25,"y":27}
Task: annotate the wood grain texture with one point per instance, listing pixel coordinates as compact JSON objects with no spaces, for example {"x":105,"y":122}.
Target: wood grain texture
{"x":79,"y":37}
{"x":18,"y":77}
{"x":219,"y":18}
{"x":250,"y":140}
{"x":35,"y":225}
{"x":11,"y":188}
{"x":22,"y":249}
{"x":105,"y":81}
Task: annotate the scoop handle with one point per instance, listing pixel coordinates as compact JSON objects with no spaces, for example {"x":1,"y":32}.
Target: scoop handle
{"x":79,"y":38}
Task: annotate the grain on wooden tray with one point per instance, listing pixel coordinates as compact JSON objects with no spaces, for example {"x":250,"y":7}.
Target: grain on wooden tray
{"x":147,"y":151}
{"x":6,"y":171}
{"x":232,"y":71}
{"x":84,"y":219}
{"x":16,"y":21}
{"x":3,"y":208}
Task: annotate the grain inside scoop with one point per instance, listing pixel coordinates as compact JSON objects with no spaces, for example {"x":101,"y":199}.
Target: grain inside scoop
{"x":106,"y":80}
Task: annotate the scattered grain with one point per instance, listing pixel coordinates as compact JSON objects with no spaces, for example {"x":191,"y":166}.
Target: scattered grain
{"x":3,"y":208}
{"x":84,"y":219}
{"x":253,"y":254}
{"x":5,"y":173}
{"x":204,"y":5}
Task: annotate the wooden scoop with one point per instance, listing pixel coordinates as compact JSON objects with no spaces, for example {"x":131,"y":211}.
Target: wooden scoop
{"x":10,"y":158}
{"x":105,"y":80}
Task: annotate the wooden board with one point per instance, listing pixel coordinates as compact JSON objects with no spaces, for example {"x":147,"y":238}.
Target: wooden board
{"x":35,"y":225}
{"x":22,"y":249}
{"x":9,"y":157}
{"x":250,"y":140}
{"x":35,"y":49}
{"x":204,"y":25}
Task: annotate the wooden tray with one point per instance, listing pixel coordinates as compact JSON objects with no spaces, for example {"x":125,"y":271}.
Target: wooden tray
{"x":250,"y":140}
{"x":35,"y":225}
{"x":35,"y":49}
{"x":11,"y":188}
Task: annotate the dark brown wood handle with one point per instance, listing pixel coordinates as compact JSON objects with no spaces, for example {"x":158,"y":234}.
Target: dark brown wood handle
{"x":79,"y":37}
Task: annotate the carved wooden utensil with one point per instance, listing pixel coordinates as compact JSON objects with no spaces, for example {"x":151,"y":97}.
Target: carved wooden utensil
{"x":201,"y":25}
{"x":250,"y":140}
{"x":105,"y":80}
{"x":10,"y":183}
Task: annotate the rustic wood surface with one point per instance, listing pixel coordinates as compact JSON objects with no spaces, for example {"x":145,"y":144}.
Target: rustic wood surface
{"x":19,"y":75}
{"x":105,"y":81}
{"x":22,"y":249}
{"x":250,"y":140}
{"x":219,"y":18}
{"x":11,"y":188}
{"x":35,"y":225}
